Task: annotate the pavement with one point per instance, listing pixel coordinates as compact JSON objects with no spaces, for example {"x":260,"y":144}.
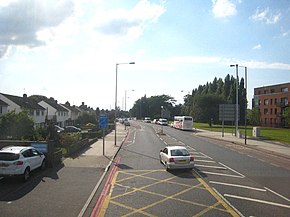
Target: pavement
{"x":101,"y":153}
{"x":275,"y":148}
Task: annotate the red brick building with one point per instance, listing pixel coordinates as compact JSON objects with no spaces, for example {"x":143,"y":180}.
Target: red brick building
{"x":272,"y":102}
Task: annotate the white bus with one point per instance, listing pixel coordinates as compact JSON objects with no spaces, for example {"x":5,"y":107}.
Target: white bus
{"x":183,"y":122}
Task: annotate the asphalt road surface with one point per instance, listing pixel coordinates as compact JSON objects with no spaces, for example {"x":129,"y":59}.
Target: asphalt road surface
{"x":228,"y":180}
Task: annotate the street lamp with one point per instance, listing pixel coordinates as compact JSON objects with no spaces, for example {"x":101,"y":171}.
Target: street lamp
{"x":246,"y":102}
{"x":126,"y":98}
{"x":237,"y":97}
{"x":116,"y":98}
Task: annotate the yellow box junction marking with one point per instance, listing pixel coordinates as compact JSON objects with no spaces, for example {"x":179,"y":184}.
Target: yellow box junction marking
{"x":142,"y":174}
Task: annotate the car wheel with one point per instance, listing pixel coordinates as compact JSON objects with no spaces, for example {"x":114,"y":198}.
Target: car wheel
{"x":166,"y":165}
{"x":43,"y":164}
{"x":26,"y":174}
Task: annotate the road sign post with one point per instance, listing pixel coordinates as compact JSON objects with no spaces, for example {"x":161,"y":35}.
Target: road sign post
{"x":103,"y":125}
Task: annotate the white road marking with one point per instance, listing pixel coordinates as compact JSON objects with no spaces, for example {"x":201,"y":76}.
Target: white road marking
{"x":275,"y":165}
{"x":208,"y":166}
{"x":199,"y":156}
{"x":224,"y":199}
{"x":206,"y":155}
{"x":243,"y":176}
{"x":181,"y":143}
{"x":257,"y":200}
{"x":239,"y":186}
{"x":206,"y":161}
{"x":222,"y":174}
{"x":285,"y":198}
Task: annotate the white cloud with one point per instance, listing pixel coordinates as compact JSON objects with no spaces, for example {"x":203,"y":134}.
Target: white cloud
{"x":266,"y":16}
{"x":129,"y":23}
{"x":22,"y":20}
{"x":223,"y":8}
{"x":257,"y":47}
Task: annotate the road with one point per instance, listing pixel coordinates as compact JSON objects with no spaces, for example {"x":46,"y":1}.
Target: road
{"x":228,"y":180}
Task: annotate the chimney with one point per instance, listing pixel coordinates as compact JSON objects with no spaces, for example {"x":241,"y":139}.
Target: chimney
{"x":24,"y":96}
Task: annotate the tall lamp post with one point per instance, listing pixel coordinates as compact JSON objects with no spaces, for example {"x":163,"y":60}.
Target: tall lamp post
{"x":237,"y":98}
{"x":116,"y":91}
{"x":246,"y":101}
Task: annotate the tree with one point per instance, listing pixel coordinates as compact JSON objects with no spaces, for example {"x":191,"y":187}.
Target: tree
{"x":286,"y":116}
{"x":254,"y":117}
{"x":16,"y":126}
{"x":86,"y":118}
{"x":206,"y":108}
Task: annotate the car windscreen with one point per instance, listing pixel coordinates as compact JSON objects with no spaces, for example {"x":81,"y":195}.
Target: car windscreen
{"x":8,"y":156}
{"x":179,"y":152}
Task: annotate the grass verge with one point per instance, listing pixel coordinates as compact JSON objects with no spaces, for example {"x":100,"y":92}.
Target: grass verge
{"x":271,"y":134}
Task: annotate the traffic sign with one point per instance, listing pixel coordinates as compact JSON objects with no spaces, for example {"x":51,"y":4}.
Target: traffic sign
{"x":103,"y":121}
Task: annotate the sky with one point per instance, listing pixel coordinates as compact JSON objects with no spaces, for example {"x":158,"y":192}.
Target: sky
{"x":69,"y":49}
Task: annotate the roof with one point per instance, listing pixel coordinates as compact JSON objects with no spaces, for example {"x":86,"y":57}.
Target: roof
{"x":72,"y":108}
{"x":55,"y":105}
{"x":24,"y":102}
{"x":3,"y":103}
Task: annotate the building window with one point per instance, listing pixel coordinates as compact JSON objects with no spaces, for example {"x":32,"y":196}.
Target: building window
{"x":37,"y":112}
{"x":1,"y":110}
{"x":271,"y":101}
{"x":275,"y":111}
{"x":266,"y":91}
{"x":266,"y":102}
{"x":284,"y":101}
{"x":42,"y":113}
{"x":271,"y":111}
{"x":272,"y":91}
{"x":265,"y":111}
{"x":284,"y":89}
{"x":265,"y":121}
{"x":259,"y":92}
{"x":271,"y":121}
{"x":276,"y":101}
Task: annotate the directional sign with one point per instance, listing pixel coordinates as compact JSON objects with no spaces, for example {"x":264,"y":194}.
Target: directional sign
{"x":103,"y":121}
{"x":227,"y":112}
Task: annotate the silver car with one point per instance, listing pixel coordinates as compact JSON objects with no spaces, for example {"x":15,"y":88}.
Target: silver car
{"x":176,"y":157}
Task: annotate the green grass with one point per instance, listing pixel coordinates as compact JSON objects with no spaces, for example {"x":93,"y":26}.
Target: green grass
{"x":273,"y":134}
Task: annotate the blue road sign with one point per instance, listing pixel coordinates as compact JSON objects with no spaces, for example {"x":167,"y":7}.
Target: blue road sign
{"x":103,"y":121}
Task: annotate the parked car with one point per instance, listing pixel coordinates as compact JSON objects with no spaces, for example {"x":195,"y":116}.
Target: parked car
{"x":126,"y":123}
{"x":72,"y":129}
{"x":176,"y":157}
{"x":20,"y":161}
{"x":58,"y":128}
{"x":163,"y":121}
{"x":147,"y":120}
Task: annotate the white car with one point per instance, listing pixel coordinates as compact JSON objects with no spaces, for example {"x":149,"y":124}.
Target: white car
{"x":20,"y":160}
{"x":176,"y":157}
{"x":163,"y":121}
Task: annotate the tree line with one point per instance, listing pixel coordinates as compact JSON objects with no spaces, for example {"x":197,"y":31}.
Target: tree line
{"x":202,"y":104}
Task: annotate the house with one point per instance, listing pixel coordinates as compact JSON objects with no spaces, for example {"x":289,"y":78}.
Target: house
{"x":3,"y":107}
{"x":272,"y":102}
{"x":9,"y":103}
{"x":85,"y":108}
{"x":55,"y":111}
{"x":73,"y":113}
